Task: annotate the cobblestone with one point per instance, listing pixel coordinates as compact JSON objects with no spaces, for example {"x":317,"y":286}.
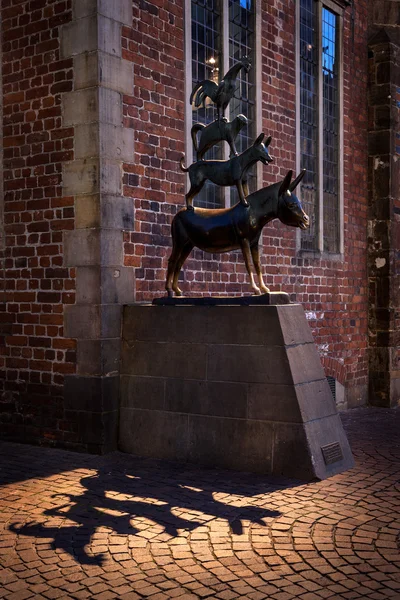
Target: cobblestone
{"x":81,"y":526}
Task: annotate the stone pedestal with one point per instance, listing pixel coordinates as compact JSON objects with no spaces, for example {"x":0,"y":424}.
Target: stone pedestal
{"x":239,"y":387}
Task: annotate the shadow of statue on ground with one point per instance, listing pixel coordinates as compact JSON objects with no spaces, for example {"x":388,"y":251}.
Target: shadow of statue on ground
{"x":165,"y":502}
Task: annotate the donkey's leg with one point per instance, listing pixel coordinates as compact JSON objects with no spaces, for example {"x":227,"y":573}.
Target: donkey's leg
{"x":247,"y":260}
{"x":179,"y":240}
{"x":241,"y":193}
{"x":172,"y":261}
{"x":245,"y":187}
{"x":256,"y":260}
{"x":185,"y":251}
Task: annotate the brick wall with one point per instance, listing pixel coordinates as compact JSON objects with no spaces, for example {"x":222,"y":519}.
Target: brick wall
{"x":334,"y":293}
{"x":34,"y":353}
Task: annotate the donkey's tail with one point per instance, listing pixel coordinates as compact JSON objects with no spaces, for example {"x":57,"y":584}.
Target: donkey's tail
{"x":183,"y":168}
{"x":194,"y":131}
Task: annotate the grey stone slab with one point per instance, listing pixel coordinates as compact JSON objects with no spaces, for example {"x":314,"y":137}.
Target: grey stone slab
{"x":111,"y":248}
{"x":91,"y":394}
{"x":87,"y":140}
{"x":115,"y":73}
{"x":111,"y":317}
{"x":231,"y":443}
{"x":79,"y":36}
{"x":117,"y":212}
{"x":109,"y":34}
{"x":315,"y":400}
{"x":107,"y":211}
{"x":295,"y":328}
{"x":250,"y":364}
{"x":154,"y":434}
{"x":143,"y":392}
{"x":305,"y":363}
{"x":323,"y":432}
{"x":95,"y":104}
{"x":87,"y":211}
{"x":159,"y":359}
{"x":119,"y":10}
{"x":291,"y":452}
{"x":81,"y":177}
{"x":84,"y":8}
{"x":86,"y":70}
{"x":90,"y":33}
{"x":93,"y":247}
{"x":92,"y":321}
{"x":99,"y":431}
{"x":109,"y":441}
{"x":165,"y":324}
{"x":102,"y":69}
{"x":110,"y":176}
{"x":98,"y":357}
{"x":110,"y":106}
{"x":116,"y":142}
{"x":82,"y":321}
{"x":255,"y":325}
{"x":82,"y":247}
{"x":203,"y":398}
{"x":88,"y":285}
{"x":117,"y":285}
{"x":273,"y":402}
{"x":205,"y":324}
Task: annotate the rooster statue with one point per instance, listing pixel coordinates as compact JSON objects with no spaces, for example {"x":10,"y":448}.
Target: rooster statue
{"x":222,"y":93}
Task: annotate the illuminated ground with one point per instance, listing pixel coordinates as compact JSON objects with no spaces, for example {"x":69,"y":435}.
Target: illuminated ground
{"x":80,"y":526}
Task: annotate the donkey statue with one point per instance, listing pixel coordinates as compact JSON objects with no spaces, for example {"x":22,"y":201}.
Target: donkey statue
{"x":238,"y":227}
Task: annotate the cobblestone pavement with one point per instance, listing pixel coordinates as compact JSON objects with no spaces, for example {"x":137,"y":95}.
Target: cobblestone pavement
{"x":80,"y":526}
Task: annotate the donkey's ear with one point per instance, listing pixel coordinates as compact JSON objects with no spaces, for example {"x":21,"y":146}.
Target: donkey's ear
{"x":285,"y":185}
{"x":268,"y":140}
{"x":297,"y":180}
{"x":259,"y":139}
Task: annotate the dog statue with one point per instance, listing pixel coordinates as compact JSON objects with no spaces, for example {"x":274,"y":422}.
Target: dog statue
{"x":217,"y":131}
{"x":227,"y":172}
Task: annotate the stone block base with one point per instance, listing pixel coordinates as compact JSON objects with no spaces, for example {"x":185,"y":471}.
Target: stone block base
{"x":239,"y":387}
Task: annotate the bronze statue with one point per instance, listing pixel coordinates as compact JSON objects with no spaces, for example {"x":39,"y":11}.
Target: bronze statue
{"x":227,"y":172}
{"x":238,"y":227}
{"x":222,"y":93}
{"x":217,"y":131}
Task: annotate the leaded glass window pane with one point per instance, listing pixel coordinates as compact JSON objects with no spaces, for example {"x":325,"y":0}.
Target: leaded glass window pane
{"x":309,"y":119}
{"x":330,"y":86}
{"x":206,"y":58}
{"x":241,"y":43}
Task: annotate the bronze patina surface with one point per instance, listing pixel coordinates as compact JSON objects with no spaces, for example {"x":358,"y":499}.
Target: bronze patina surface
{"x":238,"y":227}
{"x":217,"y":131}
{"x":221,"y":94}
{"x":227,"y":172}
